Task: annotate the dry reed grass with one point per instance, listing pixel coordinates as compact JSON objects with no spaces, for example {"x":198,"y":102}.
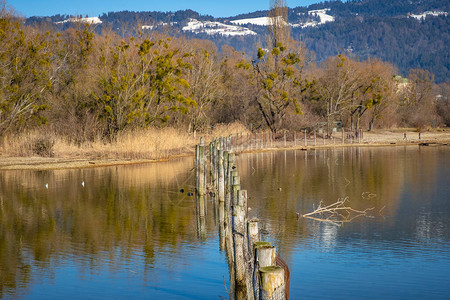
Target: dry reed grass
{"x":139,"y":144}
{"x":142,"y":144}
{"x":24,"y":144}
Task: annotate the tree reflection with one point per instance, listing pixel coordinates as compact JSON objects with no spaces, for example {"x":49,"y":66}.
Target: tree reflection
{"x":283,"y":183}
{"x":119,"y":212}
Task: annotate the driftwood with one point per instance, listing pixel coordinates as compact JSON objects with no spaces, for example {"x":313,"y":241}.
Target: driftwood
{"x":337,"y":213}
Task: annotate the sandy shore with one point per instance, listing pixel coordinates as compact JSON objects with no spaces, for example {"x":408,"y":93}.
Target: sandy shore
{"x":376,"y":138}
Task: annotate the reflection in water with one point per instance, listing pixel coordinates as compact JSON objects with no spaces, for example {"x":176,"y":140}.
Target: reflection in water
{"x":134,"y":231}
{"x":408,"y":188}
{"x":120,"y":215}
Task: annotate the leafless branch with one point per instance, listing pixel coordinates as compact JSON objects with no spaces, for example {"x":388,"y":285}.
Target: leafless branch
{"x":336,"y":213}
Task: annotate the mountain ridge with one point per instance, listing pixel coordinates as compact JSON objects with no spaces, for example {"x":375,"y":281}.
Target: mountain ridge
{"x":391,"y":30}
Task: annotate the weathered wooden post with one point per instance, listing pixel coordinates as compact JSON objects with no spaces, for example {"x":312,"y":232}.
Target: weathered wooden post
{"x":285,"y":138}
{"x":201,"y":168}
{"x":314,"y":138}
{"x":323,"y":138}
{"x":212,"y":164}
{"x":295,"y":138}
{"x":235,"y":187}
{"x":272,"y":283}
{"x":343,"y":135}
{"x":261,"y":257}
{"x":221,"y":177}
{"x":306,"y":143}
{"x":228,"y":177}
{"x":239,"y":240}
{"x":216,"y":162}
{"x":265,"y":254}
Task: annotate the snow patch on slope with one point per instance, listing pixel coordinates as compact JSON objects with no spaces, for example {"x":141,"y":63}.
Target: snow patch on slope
{"x":90,"y":20}
{"x":428,"y":13}
{"x":262,"y":21}
{"x":321,"y":13}
{"x":212,"y":28}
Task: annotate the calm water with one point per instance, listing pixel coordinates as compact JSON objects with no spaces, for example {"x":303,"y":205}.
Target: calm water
{"x":129,"y":232}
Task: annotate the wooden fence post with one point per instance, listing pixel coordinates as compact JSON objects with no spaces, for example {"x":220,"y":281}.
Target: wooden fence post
{"x":239,"y":240}
{"x":272,"y":283}
{"x":221,"y":177}
{"x":306,"y":143}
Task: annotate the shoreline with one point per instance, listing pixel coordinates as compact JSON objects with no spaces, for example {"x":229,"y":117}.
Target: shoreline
{"x":370,"y":139}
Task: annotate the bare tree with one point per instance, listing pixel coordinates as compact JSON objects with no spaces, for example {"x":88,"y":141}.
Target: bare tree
{"x":278,"y":27}
{"x":337,"y":88}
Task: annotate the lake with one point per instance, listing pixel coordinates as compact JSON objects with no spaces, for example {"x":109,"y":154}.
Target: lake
{"x":132,"y":231}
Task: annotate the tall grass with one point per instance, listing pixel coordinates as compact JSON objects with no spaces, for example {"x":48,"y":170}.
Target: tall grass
{"x":139,"y":144}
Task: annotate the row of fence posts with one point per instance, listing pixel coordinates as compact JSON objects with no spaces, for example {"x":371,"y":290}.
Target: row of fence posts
{"x":253,"y":141}
{"x":256,"y":272}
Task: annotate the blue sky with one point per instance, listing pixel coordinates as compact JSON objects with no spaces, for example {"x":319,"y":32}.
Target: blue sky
{"x":93,"y":8}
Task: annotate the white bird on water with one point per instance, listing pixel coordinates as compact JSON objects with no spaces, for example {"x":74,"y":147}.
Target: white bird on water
{"x":46,"y":185}
{"x":82,"y":183}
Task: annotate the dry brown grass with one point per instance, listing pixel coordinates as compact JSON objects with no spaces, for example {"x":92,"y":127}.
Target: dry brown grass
{"x":139,"y":144}
{"x":142,"y":144}
{"x":24,"y":144}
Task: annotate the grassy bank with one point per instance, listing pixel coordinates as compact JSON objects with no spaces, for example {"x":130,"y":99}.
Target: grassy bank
{"x":37,"y":150}
{"x":45,"y":150}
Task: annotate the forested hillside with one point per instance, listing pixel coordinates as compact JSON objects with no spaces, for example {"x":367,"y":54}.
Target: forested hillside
{"x":362,"y":29}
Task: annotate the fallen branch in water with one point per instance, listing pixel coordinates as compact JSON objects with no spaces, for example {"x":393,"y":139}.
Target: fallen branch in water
{"x":336,"y":213}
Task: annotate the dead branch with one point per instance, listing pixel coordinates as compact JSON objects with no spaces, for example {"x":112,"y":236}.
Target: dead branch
{"x":337,"y":213}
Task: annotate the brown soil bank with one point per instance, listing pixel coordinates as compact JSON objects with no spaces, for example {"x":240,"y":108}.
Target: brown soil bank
{"x":375,"y":138}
